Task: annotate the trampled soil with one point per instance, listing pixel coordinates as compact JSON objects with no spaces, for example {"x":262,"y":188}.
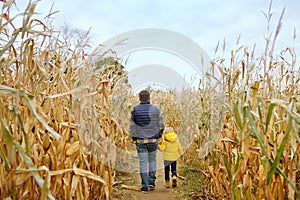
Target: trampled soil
{"x":160,"y":192}
{"x":130,"y":182}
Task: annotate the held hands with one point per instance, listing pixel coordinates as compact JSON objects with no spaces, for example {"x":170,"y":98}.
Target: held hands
{"x":160,"y":136}
{"x":160,"y":140}
{"x":134,"y":139}
{"x":161,"y":132}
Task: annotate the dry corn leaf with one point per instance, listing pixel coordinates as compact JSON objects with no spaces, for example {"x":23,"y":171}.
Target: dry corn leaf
{"x":73,"y":148}
{"x":86,"y":188}
{"x":22,"y":177}
{"x":81,"y":172}
{"x":79,"y":192}
{"x":76,"y":90}
{"x":74,"y":185}
{"x":89,"y":175}
{"x":66,"y":187}
{"x":130,"y":187}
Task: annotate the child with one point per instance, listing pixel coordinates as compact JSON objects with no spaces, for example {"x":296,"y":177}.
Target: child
{"x":171,"y":147}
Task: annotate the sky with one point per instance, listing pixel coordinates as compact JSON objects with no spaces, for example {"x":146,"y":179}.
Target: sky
{"x":207,"y":22}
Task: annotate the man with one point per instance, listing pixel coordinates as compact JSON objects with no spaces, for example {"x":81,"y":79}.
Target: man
{"x":146,"y":127}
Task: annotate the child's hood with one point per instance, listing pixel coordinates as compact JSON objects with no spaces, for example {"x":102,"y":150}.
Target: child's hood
{"x":171,"y":137}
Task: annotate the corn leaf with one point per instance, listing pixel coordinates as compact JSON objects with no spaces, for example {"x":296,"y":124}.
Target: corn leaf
{"x":270,"y":111}
{"x":10,"y":43}
{"x":228,"y":167}
{"x":33,"y":170}
{"x":277,"y":158}
{"x":4,"y":158}
{"x":8,"y":140}
{"x":236,"y":167}
{"x":257,"y":134}
{"x":38,"y":117}
{"x":237,"y":116}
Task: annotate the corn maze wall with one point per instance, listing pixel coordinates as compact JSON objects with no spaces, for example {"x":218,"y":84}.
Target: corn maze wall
{"x":65,"y":114}
{"x":59,"y":126}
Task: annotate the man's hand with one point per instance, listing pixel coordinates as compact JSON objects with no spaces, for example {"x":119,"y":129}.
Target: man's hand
{"x":160,"y":140}
{"x":134,"y":139}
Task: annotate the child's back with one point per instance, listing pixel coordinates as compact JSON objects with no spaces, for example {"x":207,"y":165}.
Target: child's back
{"x":170,"y":147}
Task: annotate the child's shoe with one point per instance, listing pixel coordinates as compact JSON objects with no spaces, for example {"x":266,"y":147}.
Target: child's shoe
{"x":174,"y":181}
{"x":167,"y":184}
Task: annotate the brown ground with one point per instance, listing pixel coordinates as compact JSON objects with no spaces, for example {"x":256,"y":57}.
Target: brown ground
{"x":132,"y":180}
{"x":160,"y":192}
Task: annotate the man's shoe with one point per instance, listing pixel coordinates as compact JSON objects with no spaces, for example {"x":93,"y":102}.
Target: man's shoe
{"x":151,"y":187}
{"x":174,"y":181}
{"x":167,"y":184}
{"x":144,"y":190}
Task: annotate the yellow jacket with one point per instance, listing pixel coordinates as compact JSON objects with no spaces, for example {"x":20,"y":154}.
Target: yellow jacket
{"x":170,"y":147}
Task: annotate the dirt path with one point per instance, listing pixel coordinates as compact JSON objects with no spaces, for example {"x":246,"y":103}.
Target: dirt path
{"x":160,"y":192}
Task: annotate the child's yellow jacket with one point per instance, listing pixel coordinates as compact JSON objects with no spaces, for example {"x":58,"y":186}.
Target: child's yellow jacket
{"x":170,"y":147}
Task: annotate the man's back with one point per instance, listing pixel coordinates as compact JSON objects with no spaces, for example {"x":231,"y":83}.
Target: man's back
{"x":147,"y":121}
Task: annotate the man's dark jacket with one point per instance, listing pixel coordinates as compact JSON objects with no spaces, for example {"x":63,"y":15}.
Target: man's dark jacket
{"x":146,"y":121}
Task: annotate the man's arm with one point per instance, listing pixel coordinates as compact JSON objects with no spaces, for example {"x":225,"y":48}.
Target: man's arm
{"x":132,"y":128}
{"x":160,"y":124}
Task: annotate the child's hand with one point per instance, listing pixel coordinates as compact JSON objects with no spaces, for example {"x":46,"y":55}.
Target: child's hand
{"x":181,"y":158}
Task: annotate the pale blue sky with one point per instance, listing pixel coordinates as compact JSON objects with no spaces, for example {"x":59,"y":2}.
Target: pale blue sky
{"x":204,"y":21}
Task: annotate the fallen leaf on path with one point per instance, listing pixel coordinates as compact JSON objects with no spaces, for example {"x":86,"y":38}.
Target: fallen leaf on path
{"x":130,"y":187}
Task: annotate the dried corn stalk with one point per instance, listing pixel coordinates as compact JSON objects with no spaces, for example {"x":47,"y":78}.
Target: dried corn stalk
{"x":59,"y":123}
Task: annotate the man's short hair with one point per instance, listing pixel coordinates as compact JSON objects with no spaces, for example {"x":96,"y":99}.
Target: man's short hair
{"x":144,"y":96}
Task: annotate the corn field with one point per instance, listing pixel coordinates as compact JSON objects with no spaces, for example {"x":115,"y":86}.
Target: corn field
{"x":65,"y":118}
{"x":60,"y":114}
{"x":257,"y":155}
